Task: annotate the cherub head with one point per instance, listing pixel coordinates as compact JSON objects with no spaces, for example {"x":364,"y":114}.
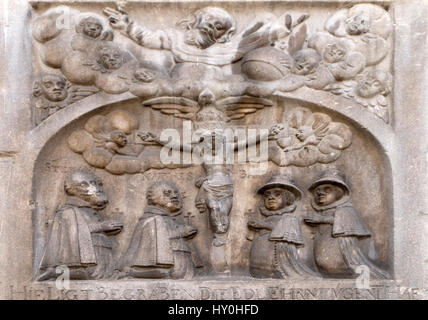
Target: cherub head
{"x":90,"y":26}
{"x":305,"y":61}
{"x":88,"y":187}
{"x":304,"y":132}
{"x":329,"y":188}
{"x":110,"y":58}
{"x":119,"y":138}
{"x":208,"y":26}
{"x":372,"y":83}
{"x":277,"y":198}
{"x":53,"y":87}
{"x":311,"y":124}
{"x":279,"y":192}
{"x":358,"y":23}
{"x":334,"y":52}
{"x":165,"y":195}
{"x":145,"y":75}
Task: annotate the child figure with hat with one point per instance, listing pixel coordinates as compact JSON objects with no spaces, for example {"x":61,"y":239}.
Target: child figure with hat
{"x":274,"y":250}
{"x":337,"y":247}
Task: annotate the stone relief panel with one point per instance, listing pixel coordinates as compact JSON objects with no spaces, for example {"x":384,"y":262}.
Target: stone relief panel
{"x":210,"y":169}
{"x":206,"y":220}
{"x":346,"y":53}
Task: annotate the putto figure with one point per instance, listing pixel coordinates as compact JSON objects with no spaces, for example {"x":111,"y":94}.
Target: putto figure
{"x":158,"y":247}
{"x":274,"y":251}
{"x":368,"y":26}
{"x":337,"y":247}
{"x":79,"y":236}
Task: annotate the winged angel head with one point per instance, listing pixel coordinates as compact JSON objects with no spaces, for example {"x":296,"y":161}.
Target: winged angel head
{"x":309,"y":138}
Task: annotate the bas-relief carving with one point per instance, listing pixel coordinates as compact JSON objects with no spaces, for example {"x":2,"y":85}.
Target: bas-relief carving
{"x":340,"y":227}
{"x":219,"y":76}
{"x":275,"y":54}
{"x":309,"y":138}
{"x":337,"y":252}
{"x":79,"y":237}
{"x":159,"y":246}
{"x":53,"y":92}
{"x":274,"y":250}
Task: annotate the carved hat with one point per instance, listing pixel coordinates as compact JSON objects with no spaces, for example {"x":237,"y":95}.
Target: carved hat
{"x":282,"y":181}
{"x":332,"y":176}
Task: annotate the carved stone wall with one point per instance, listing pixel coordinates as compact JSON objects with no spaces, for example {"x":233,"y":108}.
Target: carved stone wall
{"x":213,"y":147}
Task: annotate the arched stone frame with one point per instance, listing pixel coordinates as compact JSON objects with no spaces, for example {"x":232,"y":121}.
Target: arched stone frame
{"x":407,"y":146}
{"x":376,"y":130}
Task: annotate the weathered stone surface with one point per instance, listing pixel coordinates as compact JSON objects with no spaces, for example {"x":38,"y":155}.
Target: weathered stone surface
{"x":180,"y":150}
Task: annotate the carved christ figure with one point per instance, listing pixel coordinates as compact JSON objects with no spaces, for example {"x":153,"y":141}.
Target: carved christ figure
{"x":211,"y":145}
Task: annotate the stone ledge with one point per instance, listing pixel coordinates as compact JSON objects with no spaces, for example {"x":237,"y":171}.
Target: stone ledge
{"x":208,"y":289}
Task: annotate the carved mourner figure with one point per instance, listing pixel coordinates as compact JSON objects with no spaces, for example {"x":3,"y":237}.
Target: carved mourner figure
{"x":158,"y":247}
{"x":340,"y":227}
{"x":274,"y":250}
{"x":79,"y":236}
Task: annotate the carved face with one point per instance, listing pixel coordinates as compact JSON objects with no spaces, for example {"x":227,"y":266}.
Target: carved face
{"x":166,"y":197}
{"x":214,"y":24}
{"x":54,"y":88}
{"x":358,"y":24}
{"x":305,"y":62}
{"x":334,"y":53}
{"x":370,"y":85}
{"x":326,"y":194}
{"x":210,"y":26}
{"x":91,"y":27}
{"x":277,"y":198}
{"x":209,"y":118}
{"x":304,"y":132}
{"x":145,"y":75}
{"x":87,"y":187}
{"x":110,"y":58}
{"x":119,"y":138}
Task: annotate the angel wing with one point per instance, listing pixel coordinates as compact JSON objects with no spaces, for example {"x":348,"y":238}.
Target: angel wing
{"x":77,"y":93}
{"x":238,"y":107}
{"x":179,"y":107}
